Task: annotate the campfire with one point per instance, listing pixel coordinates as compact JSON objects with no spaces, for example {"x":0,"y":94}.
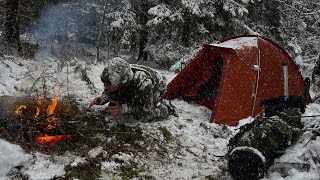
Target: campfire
{"x":43,"y":120}
{"x":59,"y":124}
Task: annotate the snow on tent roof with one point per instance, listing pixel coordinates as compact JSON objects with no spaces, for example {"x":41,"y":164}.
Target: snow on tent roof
{"x":239,"y":43}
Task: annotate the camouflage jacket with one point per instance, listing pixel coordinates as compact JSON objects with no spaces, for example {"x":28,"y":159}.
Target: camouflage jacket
{"x":141,"y":94}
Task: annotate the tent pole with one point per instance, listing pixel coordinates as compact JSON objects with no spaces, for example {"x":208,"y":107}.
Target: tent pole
{"x":285,"y":78}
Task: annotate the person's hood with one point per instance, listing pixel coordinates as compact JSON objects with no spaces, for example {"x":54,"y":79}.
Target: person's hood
{"x":117,"y":71}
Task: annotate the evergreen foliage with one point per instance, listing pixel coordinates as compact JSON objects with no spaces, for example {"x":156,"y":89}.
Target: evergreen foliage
{"x":162,"y":31}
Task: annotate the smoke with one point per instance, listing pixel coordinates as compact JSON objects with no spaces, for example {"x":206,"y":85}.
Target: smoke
{"x":64,"y":25}
{"x":55,"y":23}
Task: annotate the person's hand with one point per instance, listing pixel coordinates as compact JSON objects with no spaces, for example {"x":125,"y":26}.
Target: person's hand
{"x":114,"y":108}
{"x":97,"y":101}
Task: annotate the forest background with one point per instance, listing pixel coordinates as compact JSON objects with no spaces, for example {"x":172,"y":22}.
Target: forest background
{"x":157,"y":32}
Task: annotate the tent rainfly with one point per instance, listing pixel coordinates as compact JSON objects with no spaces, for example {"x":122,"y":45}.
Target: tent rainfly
{"x":232,"y":78}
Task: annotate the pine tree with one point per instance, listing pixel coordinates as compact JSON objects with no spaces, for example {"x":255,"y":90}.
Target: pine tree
{"x":178,"y":26}
{"x":12,"y":24}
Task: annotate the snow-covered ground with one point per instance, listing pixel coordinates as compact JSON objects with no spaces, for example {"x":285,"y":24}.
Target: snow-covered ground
{"x":196,"y":149}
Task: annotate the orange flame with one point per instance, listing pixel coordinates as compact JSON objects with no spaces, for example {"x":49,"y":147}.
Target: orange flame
{"x":46,"y":140}
{"x":50,"y":140}
{"x":18,"y":111}
{"x":40,"y":101}
{"x":52,"y":119}
{"x":53,"y":105}
{"x":37,"y":113}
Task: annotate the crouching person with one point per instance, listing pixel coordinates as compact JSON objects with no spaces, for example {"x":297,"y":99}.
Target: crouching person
{"x":134,"y":90}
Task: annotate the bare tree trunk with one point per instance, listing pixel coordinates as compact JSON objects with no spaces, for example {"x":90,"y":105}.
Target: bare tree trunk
{"x":143,"y":7}
{"x":142,"y":45}
{"x":100,"y":33}
{"x":186,"y":30}
{"x":316,"y":72}
{"x":12,"y":24}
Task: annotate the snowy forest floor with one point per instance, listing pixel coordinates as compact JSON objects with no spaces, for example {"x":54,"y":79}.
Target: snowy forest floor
{"x":184,"y":147}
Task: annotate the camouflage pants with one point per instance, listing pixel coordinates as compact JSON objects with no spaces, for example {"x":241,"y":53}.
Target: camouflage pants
{"x":159,"y":112}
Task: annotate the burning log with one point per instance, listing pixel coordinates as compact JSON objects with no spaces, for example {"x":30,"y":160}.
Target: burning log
{"x":52,"y":140}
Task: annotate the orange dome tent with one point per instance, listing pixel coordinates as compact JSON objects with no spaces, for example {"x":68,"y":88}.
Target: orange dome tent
{"x":232,"y":78}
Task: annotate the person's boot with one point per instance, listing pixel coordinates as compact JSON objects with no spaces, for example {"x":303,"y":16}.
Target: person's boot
{"x":172,"y":109}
